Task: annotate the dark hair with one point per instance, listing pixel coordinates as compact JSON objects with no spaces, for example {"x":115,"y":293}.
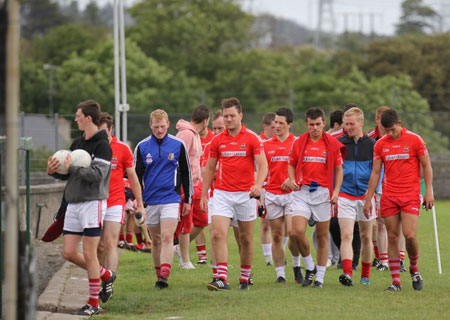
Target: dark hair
{"x":314,"y":113}
{"x":268,"y":118}
{"x":217,"y":115}
{"x":231,"y":102}
{"x":287,"y":113}
{"x":105,"y":117}
{"x":389,"y":118}
{"x":349,"y":106}
{"x":200,"y":114}
{"x":91,"y":108}
{"x":336,"y":117}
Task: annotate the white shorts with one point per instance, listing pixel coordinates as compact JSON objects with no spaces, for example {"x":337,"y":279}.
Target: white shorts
{"x":353,"y":209}
{"x":233,"y":223}
{"x":316,"y":204}
{"x":277,"y":205}
{"x":234,"y":205}
{"x":157,"y":212}
{"x":115,"y":214}
{"x":84,"y":215}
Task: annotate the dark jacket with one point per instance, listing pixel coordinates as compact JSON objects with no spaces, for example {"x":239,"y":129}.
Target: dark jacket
{"x":357,"y":164}
{"x":92,"y":183}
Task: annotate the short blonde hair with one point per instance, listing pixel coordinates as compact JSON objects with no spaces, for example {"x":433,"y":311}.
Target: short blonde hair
{"x":380,"y":110}
{"x":159,"y":115}
{"x":355,"y":111}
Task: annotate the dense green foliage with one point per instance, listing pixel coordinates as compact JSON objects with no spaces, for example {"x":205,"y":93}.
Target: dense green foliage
{"x":180,"y":54}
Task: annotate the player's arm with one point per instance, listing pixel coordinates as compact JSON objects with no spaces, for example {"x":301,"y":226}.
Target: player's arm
{"x":261,"y":162}
{"x":186,"y":179}
{"x":136,"y":188}
{"x":208,"y":175}
{"x":291,"y":173}
{"x":373,"y":183}
{"x":428,"y":177}
{"x":338,"y":177}
{"x":99,"y":168}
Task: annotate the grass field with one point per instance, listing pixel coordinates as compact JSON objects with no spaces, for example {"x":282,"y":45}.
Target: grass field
{"x":187,"y":297}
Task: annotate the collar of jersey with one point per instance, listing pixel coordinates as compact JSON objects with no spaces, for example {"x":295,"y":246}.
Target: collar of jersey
{"x":243,"y":130}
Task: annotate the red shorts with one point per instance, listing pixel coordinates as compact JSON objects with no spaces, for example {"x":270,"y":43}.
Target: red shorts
{"x":392,"y":205}
{"x":199,"y":217}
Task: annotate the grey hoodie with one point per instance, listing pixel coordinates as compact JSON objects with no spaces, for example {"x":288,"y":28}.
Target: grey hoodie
{"x":92,"y":183}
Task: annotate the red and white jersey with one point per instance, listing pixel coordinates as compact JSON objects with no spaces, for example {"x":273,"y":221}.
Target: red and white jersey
{"x":314,"y":166}
{"x":263,"y":136}
{"x":374,"y":133}
{"x":236,"y":157}
{"x":207,"y":139}
{"x":277,"y":154}
{"x":339,"y":133}
{"x":401,"y":162}
{"x":122,"y":158}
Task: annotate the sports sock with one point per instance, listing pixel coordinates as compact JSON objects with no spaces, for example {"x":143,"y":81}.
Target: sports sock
{"x":94,"y":290}
{"x":365,"y":270}
{"x":104,"y":274}
{"x":384,"y":258}
{"x":139,"y":238}
{"x":402,"y":255}
{"x":413,"y":263}
{"x":215,"y":272}
{"x":245,"y":272}
{"x":129,"y":237}
{"x":267,"y":251}
{"x":394,"y":266}
{"x":158,"y":271}
{"x":321,"y":273}
{"x":165,"y":270}
{"x":201,"y":252}
{"x":347,"y":266}
{"x":309,"y":262}
{"x":285,"y":241}
{"x":295,"y":261}
{"x":375,"y":249}
{"x":280,"y":272}
{"x":222,"y":270}
{"x":122,"y":237}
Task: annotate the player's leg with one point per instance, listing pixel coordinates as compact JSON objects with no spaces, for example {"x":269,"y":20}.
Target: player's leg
{"x":246,"y":229}
{"x":70,"y":249}
{"x":109,"y":238}
{"x":155,"y":233}
{"x":392,"y":224}
{"x":298,"y":235}
{"x":295,"y":251}
{"x":365,"y":232}
{"x":402,"y":249}
{"x":220,"y":226}
{"x":266,"y":242}
{"x":409,"y":227}
{"x":184,"y":239}
{"x":278,"y":254}
{"x":382,"y":241}
{"x":322,"y":231}
{"x":346,"y":226}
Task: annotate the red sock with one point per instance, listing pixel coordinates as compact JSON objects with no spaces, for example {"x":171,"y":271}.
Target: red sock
{"x":129,"y":237}
{"x":413,"y":263}
{"x":245,"y":272}
{"x":222,"y":270}
{"x":394,"y":266}
{"x":384,"y":258}
{"x":104,"y":274}
{"x":201,"y":252}
{"x":347,"y":266}
{"x":122,"y":237}
{"x":94,"y":290}
{"x":365,"y":270}
{"x":158,"y":271}
{"x":215,"y":272}
{"x":402,"y":255}
{"x":375,"y":249}
{"x":165,"y":270}
{"x":139,"y":238}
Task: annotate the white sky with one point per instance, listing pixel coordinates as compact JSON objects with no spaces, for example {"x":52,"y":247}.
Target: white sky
{"x":385,"y":13}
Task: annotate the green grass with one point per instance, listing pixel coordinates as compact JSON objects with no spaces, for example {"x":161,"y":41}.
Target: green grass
{"x":188,"y":298}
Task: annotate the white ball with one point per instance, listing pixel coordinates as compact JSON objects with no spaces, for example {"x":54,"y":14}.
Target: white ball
{"x":61,"y":156}
{"x":81,"y":158}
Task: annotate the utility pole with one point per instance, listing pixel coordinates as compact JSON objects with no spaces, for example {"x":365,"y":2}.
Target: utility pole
{"x":325,"y":15}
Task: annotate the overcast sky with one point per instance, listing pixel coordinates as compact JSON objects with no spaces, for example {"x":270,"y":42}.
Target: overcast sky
{"x":382,"y":15}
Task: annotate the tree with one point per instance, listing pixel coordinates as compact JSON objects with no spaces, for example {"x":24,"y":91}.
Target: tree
{"x":416,"y":17}
{"x":38,"y":16}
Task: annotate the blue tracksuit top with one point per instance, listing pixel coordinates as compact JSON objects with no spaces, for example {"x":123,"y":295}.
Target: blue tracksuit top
{"x":357,"y":164}
{"x":162,"y":167}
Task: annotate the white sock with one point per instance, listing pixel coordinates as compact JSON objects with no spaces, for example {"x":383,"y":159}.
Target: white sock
{"x":267,"y":249}
{"x":280,"y":272}
{"x":309,"y":262}
{"x":295,"y":261}
{"x":285,"y":241}
{"x":320,"y":273}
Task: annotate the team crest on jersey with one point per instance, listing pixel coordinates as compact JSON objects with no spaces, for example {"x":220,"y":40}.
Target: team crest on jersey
{"x":170,"y":156}
{"x":148,"y":158}
{"x":113,"y":166}
{"x":243,"y":146}
{"x":406,"y":149}
{"x":114,"y":158}
{"x":324,"y":153}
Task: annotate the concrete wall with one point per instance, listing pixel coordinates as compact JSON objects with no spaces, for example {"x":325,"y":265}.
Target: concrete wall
{"x":441,"y":175}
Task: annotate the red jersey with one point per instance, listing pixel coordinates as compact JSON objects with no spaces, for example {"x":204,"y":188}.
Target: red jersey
{"x":207,"y":139}
{"x":401,"y":162}
{"x":314,"y":162}
{"x":236,"y":157}
{"x":374,"y":133}
{"x":277,"y":154}
{"x":263,"y":136}
{"x":122,"y":158}
{"x":339,"y":133}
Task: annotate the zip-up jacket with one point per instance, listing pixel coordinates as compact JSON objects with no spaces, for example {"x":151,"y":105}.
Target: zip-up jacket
{"x":162,"y":166}
{"x":92,"y":183}
{"x":357,"y":165}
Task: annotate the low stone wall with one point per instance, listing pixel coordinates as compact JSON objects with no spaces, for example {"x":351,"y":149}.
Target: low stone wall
{"x":441,"y":175}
